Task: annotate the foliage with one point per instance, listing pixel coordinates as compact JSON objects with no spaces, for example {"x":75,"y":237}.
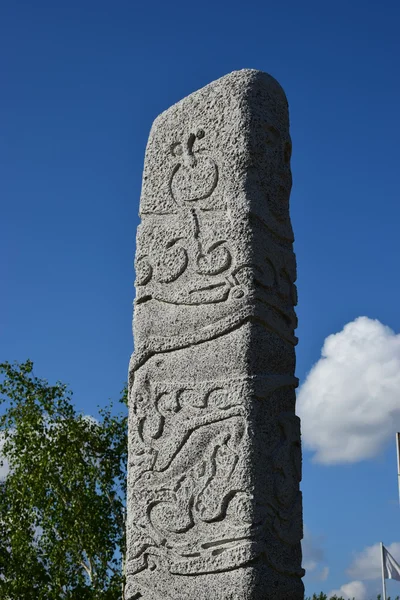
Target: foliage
{"x":62,"y":504}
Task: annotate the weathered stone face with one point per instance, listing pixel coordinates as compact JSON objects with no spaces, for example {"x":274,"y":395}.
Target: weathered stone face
{"x":214,"y":507}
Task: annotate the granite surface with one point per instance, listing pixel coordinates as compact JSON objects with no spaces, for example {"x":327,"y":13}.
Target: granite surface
{"x":214,"y":506}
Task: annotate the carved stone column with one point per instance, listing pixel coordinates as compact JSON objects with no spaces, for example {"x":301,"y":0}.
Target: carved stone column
{"x":214,"y":507}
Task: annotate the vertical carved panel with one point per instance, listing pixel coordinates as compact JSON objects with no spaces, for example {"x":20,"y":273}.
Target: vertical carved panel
{"x":214,"y":507}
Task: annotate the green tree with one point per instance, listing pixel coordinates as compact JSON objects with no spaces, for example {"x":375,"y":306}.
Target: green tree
{"x":62,"y":503}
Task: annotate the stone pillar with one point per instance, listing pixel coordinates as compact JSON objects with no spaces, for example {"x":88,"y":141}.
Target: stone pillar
{"x":214,"y":507}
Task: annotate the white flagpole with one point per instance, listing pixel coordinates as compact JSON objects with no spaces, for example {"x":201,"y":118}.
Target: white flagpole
{"x":398,"y":459}
{"x":383,"y":574}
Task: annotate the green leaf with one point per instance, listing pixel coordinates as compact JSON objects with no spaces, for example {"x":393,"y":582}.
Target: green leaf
{"x":62,"y":504}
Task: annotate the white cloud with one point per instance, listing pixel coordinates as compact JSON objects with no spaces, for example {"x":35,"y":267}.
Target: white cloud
{"x":367,"y":563}
{"x":353,"y":589}
{"x":349,"y":402}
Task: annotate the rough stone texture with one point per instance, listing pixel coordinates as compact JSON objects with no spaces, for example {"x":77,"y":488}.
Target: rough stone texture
{"x":214,"y":507}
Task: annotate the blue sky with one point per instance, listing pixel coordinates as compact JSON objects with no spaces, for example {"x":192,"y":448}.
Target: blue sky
{"x":81,"y":83}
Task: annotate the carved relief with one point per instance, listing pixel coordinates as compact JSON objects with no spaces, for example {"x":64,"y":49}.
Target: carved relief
{"x":189,"y":245}
{"x":188,"y":478}
{"x":132,"y":593}
{"x":271,"y":179}
{"x":193,"y":257}
{"x":187,"y":475}
{"x":214,"y":258}
{"x":195,"y":177}
{"x":286,"y":503}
